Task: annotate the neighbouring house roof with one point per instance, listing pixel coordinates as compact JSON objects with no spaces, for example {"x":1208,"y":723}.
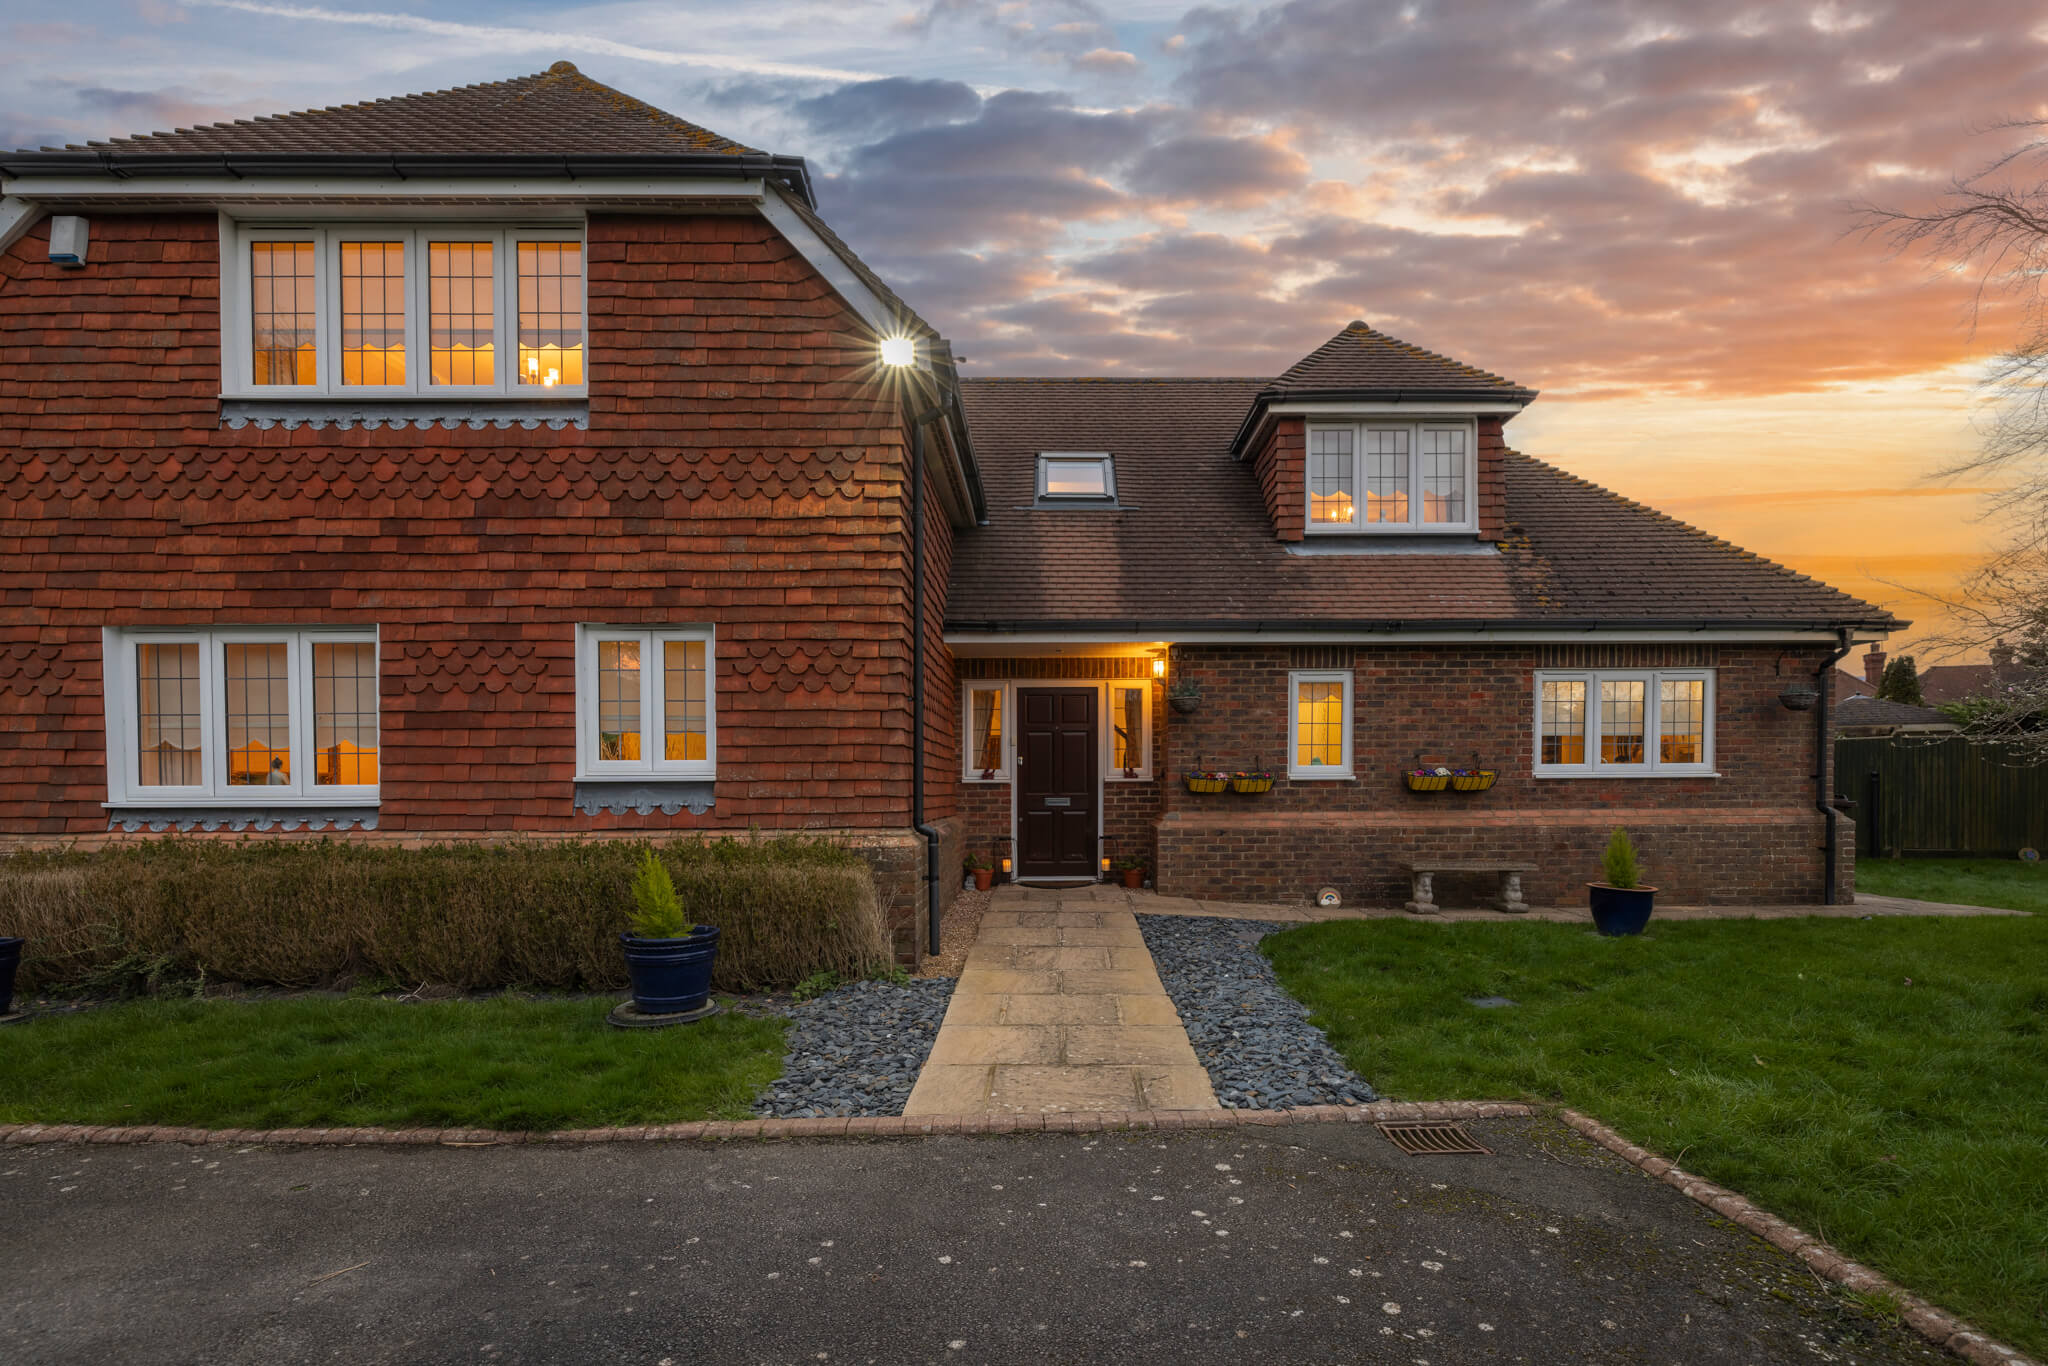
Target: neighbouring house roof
{"x":1848,"y":685}
{"x":1364,"y":362}
{"x":1941,"y":683}
{"x":559,"y":113}
{"x":1862,"y":713}
{"x":1191,"y":544}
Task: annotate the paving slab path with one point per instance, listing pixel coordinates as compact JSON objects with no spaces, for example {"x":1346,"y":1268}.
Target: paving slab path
{"x":1059,"y":1009}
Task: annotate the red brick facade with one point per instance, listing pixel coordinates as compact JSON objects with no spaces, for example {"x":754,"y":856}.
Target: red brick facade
{"x":1751,"y":835}
{"x":742,"y":466}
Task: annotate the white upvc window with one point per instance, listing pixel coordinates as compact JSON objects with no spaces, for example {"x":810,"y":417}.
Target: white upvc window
{"x":985,"y":740}
{"x":404,"y":311}
{"x":1127,"y":731}
{"x":1619,"y":723}
{"x":1319,"y":723}
{"x":646,"y":703}
{"x":1381,"y":477}
{"x":256,"y":716}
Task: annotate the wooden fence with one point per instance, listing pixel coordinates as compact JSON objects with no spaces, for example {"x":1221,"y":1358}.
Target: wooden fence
{"x":1945,"y":796}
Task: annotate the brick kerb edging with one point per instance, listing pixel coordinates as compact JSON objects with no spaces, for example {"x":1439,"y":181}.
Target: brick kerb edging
{"x":1936,"y":1325}
{"x":892,"y":1126}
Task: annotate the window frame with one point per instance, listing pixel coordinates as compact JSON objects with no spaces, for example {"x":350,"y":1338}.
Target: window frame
{"x":1653,"y":765}
{"x":1110,"y":772}
{"x":1007,"y":691}
{"x":590,"y":768}
{"x":1104,"y":459}
{"x":124,"y":725}
{"x":1414,"y":526}
{"x":1320,"y":772}
{"x":238,"y":377}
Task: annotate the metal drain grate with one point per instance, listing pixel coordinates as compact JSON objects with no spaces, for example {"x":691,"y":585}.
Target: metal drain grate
{"x":1432,"y":1136}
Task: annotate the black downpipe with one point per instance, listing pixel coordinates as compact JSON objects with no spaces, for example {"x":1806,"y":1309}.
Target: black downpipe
{"x":925,"y":828}
{"x":1822,"y":755}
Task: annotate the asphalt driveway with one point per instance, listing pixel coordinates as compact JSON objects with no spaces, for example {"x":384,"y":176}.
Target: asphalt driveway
{"x":1320,"y":1243}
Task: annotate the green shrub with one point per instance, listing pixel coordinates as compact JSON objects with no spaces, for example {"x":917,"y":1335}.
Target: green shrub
{"x":657,"y":910}
{"x":476,"y":916}
{"x":1619,"y":862}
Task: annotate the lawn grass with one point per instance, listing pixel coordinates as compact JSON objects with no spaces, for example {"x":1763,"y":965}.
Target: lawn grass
{"x":2005,"y":882}
{"x":322,"y":1062}
{"x":1881,"y":1083}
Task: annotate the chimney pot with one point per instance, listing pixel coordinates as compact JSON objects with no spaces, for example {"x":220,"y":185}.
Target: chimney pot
{"x":1873,"y":666}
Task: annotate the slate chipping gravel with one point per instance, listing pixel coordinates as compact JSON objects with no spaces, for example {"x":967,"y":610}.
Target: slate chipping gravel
{"x":1255,"y":1040}
{"x":857,"y":1049}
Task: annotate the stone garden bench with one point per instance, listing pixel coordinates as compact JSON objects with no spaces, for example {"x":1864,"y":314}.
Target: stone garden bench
{"x":1422,"y":873}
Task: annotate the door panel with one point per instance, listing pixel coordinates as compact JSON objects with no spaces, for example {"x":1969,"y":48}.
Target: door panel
{"x":1056,"y":782}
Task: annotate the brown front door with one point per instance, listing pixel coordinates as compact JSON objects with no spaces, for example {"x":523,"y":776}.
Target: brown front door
{"x":1056,"y":752}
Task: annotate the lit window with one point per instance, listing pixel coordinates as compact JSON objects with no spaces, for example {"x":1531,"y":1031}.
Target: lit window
{"x":351,"y":310}
{"x":213,"y":714}
{"x":1381,"y":477}
{"x":551,"y":313}
{"x":630,"y":677}
{"x":1130,"y":739}
{"x":1319,"y":724}
{"x":1623,"y":722}
{"x":462,"y":331}
{"x":985,"y":752}
{"x":1076,"y":477}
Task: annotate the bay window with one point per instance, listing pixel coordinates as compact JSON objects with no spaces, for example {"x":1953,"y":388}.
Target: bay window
{"x":1391,"y":477}
{"x":1624,"y":722}
{"x":242,"y":716}
{"x":404,"y":311}
{"x":645,"y":702}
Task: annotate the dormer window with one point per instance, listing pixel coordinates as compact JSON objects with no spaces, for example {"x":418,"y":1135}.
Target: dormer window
{"x":1378,"y":477}
{"x":1078,"y":478}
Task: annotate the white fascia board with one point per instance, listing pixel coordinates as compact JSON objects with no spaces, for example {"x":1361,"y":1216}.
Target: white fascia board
{"x":1382,"y":406}
{"x":845,"y":282}
{"x":1731,"y":636}
{"x":17,"y":216}
{"x":227,"y":191}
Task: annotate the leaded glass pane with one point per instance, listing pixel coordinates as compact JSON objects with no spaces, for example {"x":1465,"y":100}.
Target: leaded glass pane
{"x":461,"y":313}
{"x":167,"y":714}
{"x":1319,"y":725}
{"x":344,"y":713}
{"x":373,"y":313}
{"x":1682,"y":722}
{"x":1386,"y":474}
{"x":1332,"y":482}
{"x":1621,"y":720}
{"x":1562,"y":725}
{"x":258,"y":685}
{"x":1443,"y":474}
{"x":685,"y":731}
{"x":618,"y":699}
{"x":550,"y":313}
{"x":281,"y":321}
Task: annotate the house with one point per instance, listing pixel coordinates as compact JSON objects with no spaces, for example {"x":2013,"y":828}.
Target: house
{"x":1866,"y":717}
{"x":1941,"y":684}
{"x":523,"y":459}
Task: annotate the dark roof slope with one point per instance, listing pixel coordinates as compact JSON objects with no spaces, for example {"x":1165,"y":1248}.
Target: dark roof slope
{"x":1364,"y":362}
{"x":1870,"y":711}
{"x":559,"y":111}
{"x":1192,"y":545}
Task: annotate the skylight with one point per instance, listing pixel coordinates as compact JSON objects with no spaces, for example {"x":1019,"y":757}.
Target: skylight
{"x":1076,"y":477}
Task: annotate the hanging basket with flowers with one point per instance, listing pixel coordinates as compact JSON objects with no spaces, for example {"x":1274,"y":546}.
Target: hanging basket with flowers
{"x":1472,"y":779}
{"x":1251,"y":781}
{"x":1428,"y":779}
{"x":1205,"y":780}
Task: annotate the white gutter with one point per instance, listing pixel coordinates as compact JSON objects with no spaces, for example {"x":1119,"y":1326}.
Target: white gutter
{"x":17,"y":216}
{"x":1510,"y":636}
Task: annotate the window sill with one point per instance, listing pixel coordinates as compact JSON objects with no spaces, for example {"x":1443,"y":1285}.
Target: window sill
{"x":1127,"y":777}
{"x":1321,"y":775}
{"x":423,"y":413}
{"x":992,"y":780}
{"x":1623,"y":773}
{"x":644,"y":796}
{"x":218,"y":815}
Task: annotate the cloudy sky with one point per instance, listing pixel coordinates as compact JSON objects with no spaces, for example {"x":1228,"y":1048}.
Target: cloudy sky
{"x":1640,"y":207}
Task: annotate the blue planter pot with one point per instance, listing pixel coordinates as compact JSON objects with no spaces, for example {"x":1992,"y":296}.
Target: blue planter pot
{"x":671,"y":976}
{"x":1620,"y":910}
{"x":10,"y":962}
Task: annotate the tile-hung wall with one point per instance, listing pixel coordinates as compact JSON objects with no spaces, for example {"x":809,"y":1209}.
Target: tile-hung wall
{"x":1750,"y":834}
{"x":1130,"y":808}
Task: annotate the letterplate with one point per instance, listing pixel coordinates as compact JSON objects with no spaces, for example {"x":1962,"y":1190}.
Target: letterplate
{"x":1059,"y":801}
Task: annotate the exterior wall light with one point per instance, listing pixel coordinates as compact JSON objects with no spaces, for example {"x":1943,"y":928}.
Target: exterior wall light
{"x":1159,"y":667}
{"x":899,"y":351}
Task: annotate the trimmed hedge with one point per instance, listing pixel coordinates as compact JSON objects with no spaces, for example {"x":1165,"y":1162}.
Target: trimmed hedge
{"x":301,"y":913}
